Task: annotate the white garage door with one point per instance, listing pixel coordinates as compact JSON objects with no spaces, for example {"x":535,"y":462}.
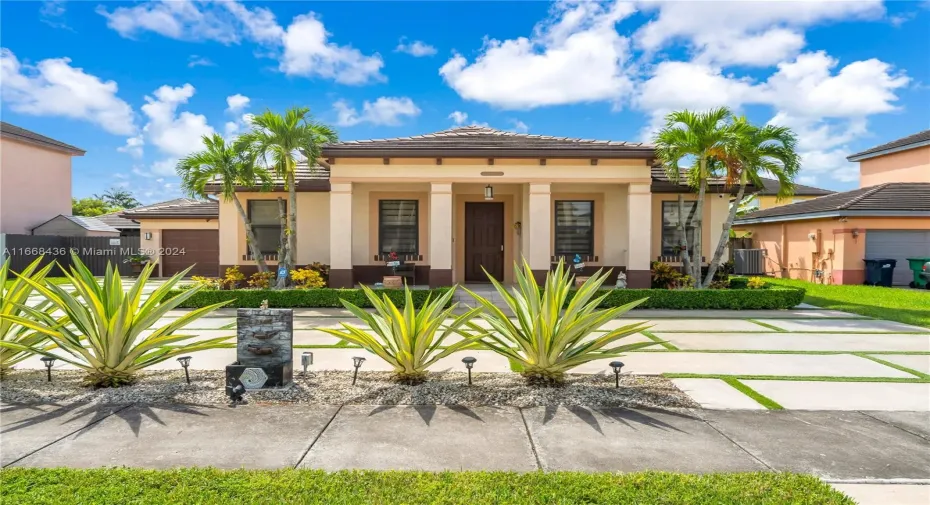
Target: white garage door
{"x":898,"y":245}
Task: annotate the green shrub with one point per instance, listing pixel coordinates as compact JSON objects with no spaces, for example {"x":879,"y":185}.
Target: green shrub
{"x":739,"y":283}
{"x":757,"y":283}
{"x":302,"y":298}
{"x":665,"y":276}
{"x":706,"y":299}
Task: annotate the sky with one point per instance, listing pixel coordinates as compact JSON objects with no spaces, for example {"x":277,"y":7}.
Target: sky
{"x":137,"y":84}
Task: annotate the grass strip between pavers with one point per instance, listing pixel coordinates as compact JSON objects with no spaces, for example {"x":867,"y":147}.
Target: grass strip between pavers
{"x":25,"y":486}
{"x":893,"y":365}
{"x":663,"y":343}
{"x":761,"y":399}
{"x":766,"y":325}
{"x":903,"y":380}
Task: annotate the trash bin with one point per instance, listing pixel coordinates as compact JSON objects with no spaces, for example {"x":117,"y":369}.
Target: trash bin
{"x":879,"y":272}
{"x":921,"y":269}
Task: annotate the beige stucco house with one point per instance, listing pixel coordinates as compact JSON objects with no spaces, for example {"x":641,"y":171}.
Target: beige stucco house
{"x":456,"y":201}
{"x":826,"y":239}
{"x":32,"y":164}
{"x":179,"y":233}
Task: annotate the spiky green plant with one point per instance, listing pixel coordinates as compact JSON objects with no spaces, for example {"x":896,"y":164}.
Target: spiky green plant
{"x":103,"y":331}
{"x":410,"y":340}
{"x":12,"y":298}
{"x":545,"y":340}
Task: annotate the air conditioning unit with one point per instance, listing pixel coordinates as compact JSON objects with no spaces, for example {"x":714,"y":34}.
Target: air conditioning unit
{"x":749,"y":261}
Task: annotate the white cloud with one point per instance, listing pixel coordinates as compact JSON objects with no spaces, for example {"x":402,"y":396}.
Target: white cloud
{"x":575,"y":56}
{"x":520,"y":126}
{"x":416,"y":48}
{"x":174,"y":134}
{"x":133,"y":146}
{"x":54,"y":88}
{"x":199,"y":61}
{"x":179,"y":19}
{"x":383,"y":111}
{"x":236,"y":103}
{"x":458,"y":117}
{"x":52,"y":13}
{"x":165,"y":167}
{"x":260,"y":23}
{"x":309,"y":53}
{"x":749,"y":33}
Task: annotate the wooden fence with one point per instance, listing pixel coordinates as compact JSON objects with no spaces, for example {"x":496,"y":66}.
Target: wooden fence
{"x":95,"y":252}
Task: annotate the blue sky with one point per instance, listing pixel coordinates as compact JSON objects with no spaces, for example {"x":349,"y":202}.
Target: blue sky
{"x":136,"y":84}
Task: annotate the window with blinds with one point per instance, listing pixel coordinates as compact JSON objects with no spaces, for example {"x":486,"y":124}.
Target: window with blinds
{"x":671,"y":233}
{"x":266,"y":225}
{"x":398,"y":228}
{"x":574,"y":227}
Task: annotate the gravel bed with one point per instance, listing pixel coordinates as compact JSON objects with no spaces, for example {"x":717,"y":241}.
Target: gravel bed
{"x":372,"y":388}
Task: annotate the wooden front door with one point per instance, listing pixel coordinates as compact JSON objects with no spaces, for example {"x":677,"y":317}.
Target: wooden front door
{"x":484,"y":240}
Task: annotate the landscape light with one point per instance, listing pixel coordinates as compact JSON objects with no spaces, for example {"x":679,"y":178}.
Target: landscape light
{"x":469,"y":362}
{"x":49,"y":361}
{"x":306,"y":359}
{"x":616,"y":365}
{"x":357,"y":362}
{"x":185,"y":362}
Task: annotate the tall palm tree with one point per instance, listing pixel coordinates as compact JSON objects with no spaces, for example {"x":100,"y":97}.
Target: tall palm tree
{"x":223,"y":164}
{"x":752,"y":153}
{"x":689,"y":143}
{"x":280,"y":142}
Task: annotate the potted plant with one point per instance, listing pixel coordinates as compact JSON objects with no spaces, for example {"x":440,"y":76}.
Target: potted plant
{"x":579,"y":269}
{"x":393,"y":280}
{"x":137,"y":262}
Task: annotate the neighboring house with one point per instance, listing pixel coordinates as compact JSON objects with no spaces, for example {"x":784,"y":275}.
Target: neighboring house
{"x":828,"y":237}
{"x":459,"y":200}
{"x":30,"y":165}
{"x":904,"y":160}
{"x":767,"y":197}
{"x":75,"y":226}
{"x":126,"y":227}
{"x":180,"y":233}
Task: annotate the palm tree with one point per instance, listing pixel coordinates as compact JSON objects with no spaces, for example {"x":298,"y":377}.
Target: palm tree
{"x":117,"y":197}
{"x":220,"y":163}
{"x":695,"y":139}
{"x":755,"y":151}
{"x":280,"y":142}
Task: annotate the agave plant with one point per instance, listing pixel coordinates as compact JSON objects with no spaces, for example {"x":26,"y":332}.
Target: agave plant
{"x":102,"y":332}
{"x":409,"y":340}
{"x":12,"y":298}
{"x":546,"y":341}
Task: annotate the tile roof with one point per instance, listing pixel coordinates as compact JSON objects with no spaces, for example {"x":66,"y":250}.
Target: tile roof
{"x":889,"y":199}
{"x":86,"y":222}
{"x":115,"y":220}
{"x":910,"y":142}
{"x":31,"y":137}
{"x":179,"y":208}
{"x":315,"y":178}
{"x":485,"y":141}
{"x":770,"y":187}
{"x":662,"y":184}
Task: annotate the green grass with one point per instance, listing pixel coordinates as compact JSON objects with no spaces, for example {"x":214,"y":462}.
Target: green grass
{"x":893,"y":365}
{"x":50,"y":280}
{"x":128,"y":486}
{"x":767,"y":325}
{"x":663,"y":343}
{"x":894,"y":304}
{"x":905,"y":380}
{"x":761,"y":399}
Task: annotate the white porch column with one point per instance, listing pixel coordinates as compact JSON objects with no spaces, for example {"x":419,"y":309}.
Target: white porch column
{"x":639,"y":255}
{"x":540,"y":223}
{"x":340,"y":236}
{"x":440,"y":234}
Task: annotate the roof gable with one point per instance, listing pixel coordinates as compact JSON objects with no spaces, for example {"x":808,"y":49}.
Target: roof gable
{"x":30,"y":137}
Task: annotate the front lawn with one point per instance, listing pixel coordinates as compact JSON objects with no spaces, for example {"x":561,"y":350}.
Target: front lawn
{"x":909,"y":306}
{"x":191,"y":485}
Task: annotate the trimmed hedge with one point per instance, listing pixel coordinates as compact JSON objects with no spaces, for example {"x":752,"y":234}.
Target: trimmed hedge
{"x":774,"y":298}
{"x":739,"y":282}
{"x":301,"y":298}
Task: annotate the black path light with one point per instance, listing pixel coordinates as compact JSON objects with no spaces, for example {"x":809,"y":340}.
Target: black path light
{"x":357,"y":362}
{"x":185,"y":362}
{"x":616,"y":365}
{"x":469,"y":362}
{"x":49,"y":361}
{"x":306,"y":359}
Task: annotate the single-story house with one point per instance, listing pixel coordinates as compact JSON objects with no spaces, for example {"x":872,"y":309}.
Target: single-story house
{"x":126,"y":227}
{"x":767,"y":196}
{"x":32,"y":164}
{"x":75,"y":226}
{"x":828,"y":238}
{"x":465,"y":199}
{"x":179,"y":233}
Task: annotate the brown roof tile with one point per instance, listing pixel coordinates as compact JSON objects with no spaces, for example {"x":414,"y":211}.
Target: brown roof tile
{"x":31,"y":137}
{"x":911,"y":141}
{"x":890,"y":199}
{"x":179,"y":208}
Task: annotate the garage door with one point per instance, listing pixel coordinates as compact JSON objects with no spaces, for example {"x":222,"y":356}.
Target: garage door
{"x":183,"y":248}
{"x":898,"y":245}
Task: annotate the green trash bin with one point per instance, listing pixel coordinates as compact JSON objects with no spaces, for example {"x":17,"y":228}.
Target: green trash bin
{"x":921,"y":269}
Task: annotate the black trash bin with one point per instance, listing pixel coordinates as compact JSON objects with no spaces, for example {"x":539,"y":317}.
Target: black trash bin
{"x":879,"y":272}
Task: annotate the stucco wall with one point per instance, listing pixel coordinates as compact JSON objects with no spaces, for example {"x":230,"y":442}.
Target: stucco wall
{"x":906,"y":166}
{"x":27,"y":171}
{"x":837,"y":249}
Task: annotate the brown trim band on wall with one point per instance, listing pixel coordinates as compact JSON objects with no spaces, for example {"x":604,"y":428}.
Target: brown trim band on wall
{"x":473,"y":152}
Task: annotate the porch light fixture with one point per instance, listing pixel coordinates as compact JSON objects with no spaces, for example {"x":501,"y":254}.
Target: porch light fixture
{"x":49,"y":361}
{"x":616,"y":365}
{"x":469,"y":362}
{"x":488,"y":192}
{"x":357,"y":363}
{"x":185,"y":362}
{"x":148,"y":235}
{"x":306,"y":359}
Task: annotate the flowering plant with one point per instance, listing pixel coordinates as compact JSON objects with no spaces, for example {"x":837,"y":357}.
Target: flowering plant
{"x":392,"y":261}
